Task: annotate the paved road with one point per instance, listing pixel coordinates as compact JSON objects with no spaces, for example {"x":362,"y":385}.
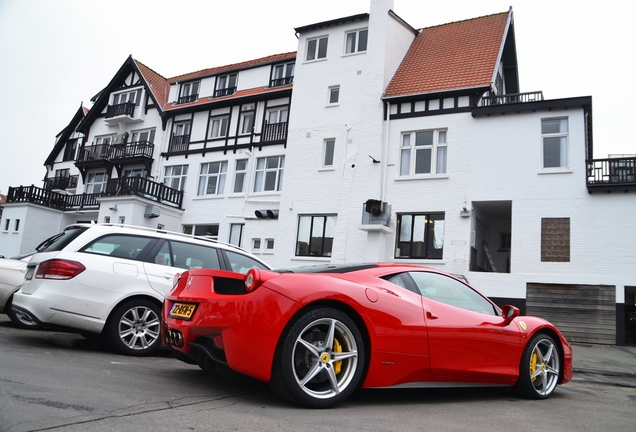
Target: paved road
{"x":60,"y":382}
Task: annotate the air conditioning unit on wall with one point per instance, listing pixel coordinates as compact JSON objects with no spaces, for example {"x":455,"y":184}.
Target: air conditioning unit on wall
{"x":152,"y":211}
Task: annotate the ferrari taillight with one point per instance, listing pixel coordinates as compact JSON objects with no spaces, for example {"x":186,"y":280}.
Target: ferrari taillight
{"x":252,"y":280}
{"x":59,"y":269}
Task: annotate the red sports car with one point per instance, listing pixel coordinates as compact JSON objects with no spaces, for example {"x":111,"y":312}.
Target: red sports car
{"x":317,"y":333}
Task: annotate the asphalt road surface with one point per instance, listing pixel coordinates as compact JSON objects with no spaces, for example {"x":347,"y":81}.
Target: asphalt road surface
{"x":53,"y":381}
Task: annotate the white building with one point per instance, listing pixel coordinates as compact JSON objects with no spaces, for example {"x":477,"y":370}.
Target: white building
{"x":395,"y":144}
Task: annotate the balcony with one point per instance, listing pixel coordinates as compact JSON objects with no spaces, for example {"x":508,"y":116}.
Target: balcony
{"x":61,"y":182}
{"x":274,"y":132}
{"x":139,"y":186}
{"x":130,"y":150}
{"x":225,"y":92}
{"x":277,"y":82}
{"x":126,"y":109}
{"x":179,"y":143}
{"x":511,"y":98}
{"x":611,"y":174}
{"x":188,"y":99}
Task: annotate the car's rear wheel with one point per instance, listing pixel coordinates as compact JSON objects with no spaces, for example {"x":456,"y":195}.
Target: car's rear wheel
{"x":320,"y":359}
{"x":539,"y":369}
{"x":134,"y":328}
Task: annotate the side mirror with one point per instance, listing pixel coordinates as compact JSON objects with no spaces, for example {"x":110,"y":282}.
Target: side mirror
{"x":509,"y":313}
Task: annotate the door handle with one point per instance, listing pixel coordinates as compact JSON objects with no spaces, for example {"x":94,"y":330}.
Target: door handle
{"x":431,"y":316}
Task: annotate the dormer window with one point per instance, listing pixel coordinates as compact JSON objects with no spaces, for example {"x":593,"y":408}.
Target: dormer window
{"x":282,"y":75}
{"x":124,"y":103}
{"x":356,"y":41}
{"x":189,"y":92}
{"x":225,"y":85}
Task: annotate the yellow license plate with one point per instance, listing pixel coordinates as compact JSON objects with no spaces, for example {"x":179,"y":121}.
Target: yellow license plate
{"x":182,"y":310}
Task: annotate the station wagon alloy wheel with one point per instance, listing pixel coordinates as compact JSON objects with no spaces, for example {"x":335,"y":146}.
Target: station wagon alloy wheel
{"x":135,"y":328}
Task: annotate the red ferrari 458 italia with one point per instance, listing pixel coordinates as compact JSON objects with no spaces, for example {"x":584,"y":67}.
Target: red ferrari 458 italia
{"x":317,"y":333}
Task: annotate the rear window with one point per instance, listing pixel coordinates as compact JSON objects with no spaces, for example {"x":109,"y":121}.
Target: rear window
{"x":59,"y":241}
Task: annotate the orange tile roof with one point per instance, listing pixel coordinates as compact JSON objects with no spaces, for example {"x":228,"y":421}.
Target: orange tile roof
{"x":238,"y":94}
{"x":158,"y":84}
{"x":452,"y":56}
{"x":241,"y":65}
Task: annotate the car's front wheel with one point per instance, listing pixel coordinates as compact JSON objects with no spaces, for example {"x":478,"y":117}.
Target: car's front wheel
{"x":539,"y":369}
{"x":134,"y":328}
{"x":320,"y":359}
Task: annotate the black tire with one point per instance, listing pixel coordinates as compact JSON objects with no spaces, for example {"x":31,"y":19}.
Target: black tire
{"x":539,"y":369}
{"x":134,"y":328}
{"x":326,"y":346}
{"x":20,"y":319}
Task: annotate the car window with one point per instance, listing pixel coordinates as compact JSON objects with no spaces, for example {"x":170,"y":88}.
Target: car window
{"x":119,"y":246}
{"x":402,"y":280}
{"x":242,"y":263}
{"x":59,"y":241}
{"x":193,"y":256}
{"x":163,"y":256}
{"x":447,"y":290}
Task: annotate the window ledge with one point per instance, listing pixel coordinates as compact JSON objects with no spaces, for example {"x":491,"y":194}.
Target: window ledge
{"x":354,"y":53}
{"x":207,"y":197}
{"x":332,"y":105}
{"x":555,"y":171}
{"x":376,"y":227}
{"x":315,"y":60}
{"x":326,"y":169}
{"x":422,"y":177}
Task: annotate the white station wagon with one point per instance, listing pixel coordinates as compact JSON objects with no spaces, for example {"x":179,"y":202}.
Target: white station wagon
{"x":110,"y":280}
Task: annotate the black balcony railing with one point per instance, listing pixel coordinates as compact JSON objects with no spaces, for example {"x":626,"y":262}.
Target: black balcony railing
{"x":127,"y":108}
{"x":179,"y":143}
{"x":113,"y":152}
{"x":274,"y":132}
{"x":276,"y":82}
{"x":511,"y":98}
{"x":139,"y":186}
{"x":225,"y":92}
{"x":61,"y":182}
{"x":48,"y":198}
{"x":131,"y":150}
{"x":188,"y":99}
{"x":612,"y":173}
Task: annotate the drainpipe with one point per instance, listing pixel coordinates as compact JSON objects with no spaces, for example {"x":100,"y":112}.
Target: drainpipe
{"x":385,"y":152}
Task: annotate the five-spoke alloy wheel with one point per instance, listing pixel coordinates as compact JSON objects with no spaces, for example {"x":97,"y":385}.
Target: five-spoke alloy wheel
{"x":135,"y":328}
{"x":539,"y":369}
{"x":320,"y":359}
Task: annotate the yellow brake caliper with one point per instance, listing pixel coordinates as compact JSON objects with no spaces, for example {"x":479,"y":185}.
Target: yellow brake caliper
{"x":337,"y":348}
{"x":533,"y":365}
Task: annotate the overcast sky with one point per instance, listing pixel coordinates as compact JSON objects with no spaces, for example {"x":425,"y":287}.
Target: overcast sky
{"x":56,"y":54}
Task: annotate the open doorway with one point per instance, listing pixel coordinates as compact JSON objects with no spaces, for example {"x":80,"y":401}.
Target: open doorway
{"x":491,"y":236}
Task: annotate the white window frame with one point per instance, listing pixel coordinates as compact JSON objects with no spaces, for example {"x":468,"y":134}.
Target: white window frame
{"x":128,"y":96}
{"x":256,"y":245}
{"x":315,"y":50}
{"x":219,"y":126}
{"x":352,"y":41}
{"x":563,"y":139}
{"x":236,"y":230}
{"x":189,"y":89}
{"x":265,"y":172}
{"x":328,"y":152}
{"x":240,"y":175}
{"x":96,"y":182}
{"x":411,"y":151}
{"x":195,"y":230}
{"x":175,"y":175}
{"x":278,"y":115}
{"x":333,"y":95}
{"x":212,"y":178}
{"x":269,"y":245}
